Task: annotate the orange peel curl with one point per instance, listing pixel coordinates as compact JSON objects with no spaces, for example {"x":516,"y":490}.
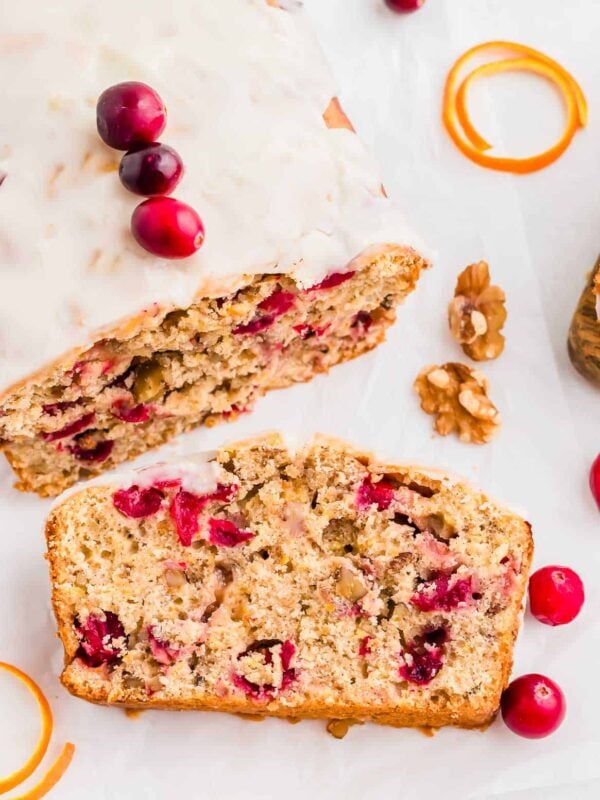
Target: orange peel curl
{"x":31,"y":764}
{"x":461,"y":129}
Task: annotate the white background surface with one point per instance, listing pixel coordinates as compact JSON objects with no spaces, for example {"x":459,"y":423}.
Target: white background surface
{"x":540,"y":234}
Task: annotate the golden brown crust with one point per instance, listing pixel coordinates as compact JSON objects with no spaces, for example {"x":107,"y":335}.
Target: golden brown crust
{"x":469,"y":716}
{"x":465,"y":711}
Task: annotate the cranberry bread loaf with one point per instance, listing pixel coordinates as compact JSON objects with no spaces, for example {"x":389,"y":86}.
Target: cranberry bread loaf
{"x":304,"y":262}
{"x":584,"y":333}
{"x":315,"y":583}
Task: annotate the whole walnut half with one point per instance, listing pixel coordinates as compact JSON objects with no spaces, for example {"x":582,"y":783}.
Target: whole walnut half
{"x":457,"y":395}
{"x":477,"y":313}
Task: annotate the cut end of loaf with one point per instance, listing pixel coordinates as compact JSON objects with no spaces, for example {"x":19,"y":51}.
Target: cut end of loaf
{"x":319,"y":583}
{"x":197,"y":366}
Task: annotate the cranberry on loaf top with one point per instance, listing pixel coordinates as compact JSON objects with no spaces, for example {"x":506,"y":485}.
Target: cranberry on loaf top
{"x":245,"y":88}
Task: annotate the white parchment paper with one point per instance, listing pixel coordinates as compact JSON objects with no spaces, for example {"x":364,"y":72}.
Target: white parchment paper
{"x":540,"y":234}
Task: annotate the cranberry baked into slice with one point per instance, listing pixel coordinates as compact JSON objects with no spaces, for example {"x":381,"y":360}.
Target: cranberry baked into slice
{"x":318,"y":582}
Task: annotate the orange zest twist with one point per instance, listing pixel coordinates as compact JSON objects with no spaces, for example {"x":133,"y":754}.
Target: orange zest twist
{"x":52,"y":777}
{"x":60,"y":765}
{"x":462,"y":131}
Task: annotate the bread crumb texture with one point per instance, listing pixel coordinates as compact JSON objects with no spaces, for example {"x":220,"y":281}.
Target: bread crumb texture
{"x":315,"y":583}
{"x":176,"y":369}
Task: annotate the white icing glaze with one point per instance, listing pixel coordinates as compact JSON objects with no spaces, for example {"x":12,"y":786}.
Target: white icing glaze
{"x":198,"y":473}
{"x":245,"y":87}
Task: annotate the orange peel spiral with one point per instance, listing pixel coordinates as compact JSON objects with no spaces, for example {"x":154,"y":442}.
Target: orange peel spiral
{"x":62,"y":762}
{"x":52,"y":777}
{"x":463,"y":133}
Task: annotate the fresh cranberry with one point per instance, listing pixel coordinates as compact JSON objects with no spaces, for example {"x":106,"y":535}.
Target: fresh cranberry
{"x":533,"y":706}
{"x":556,"y":595}
{"x":155,"y":169}
{"x":264,"y":647}
{"x":99,"y":639}
{"x":130,"y":113}
{"x":71,"y":429}
{"x":595,"y":480}
{"x":167,"y":228}
{"x":97,"y":453}
{"x":423,"y":657}
{"x":403,"y":6}
{"x":136,"y":502}
{"x":54,"y":409}
{"x":161,"y":650}
{"x":132,"y":414}
{"x":380,"y":494}
{"x":331,"y":281}
{"x":224,"y":533}
{"x":441,"y":593}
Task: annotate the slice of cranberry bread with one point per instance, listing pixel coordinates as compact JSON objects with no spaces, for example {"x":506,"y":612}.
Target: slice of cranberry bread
{"x":303,"y":264}
{"x":316,"y":583}
{"x":200,"y":365}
